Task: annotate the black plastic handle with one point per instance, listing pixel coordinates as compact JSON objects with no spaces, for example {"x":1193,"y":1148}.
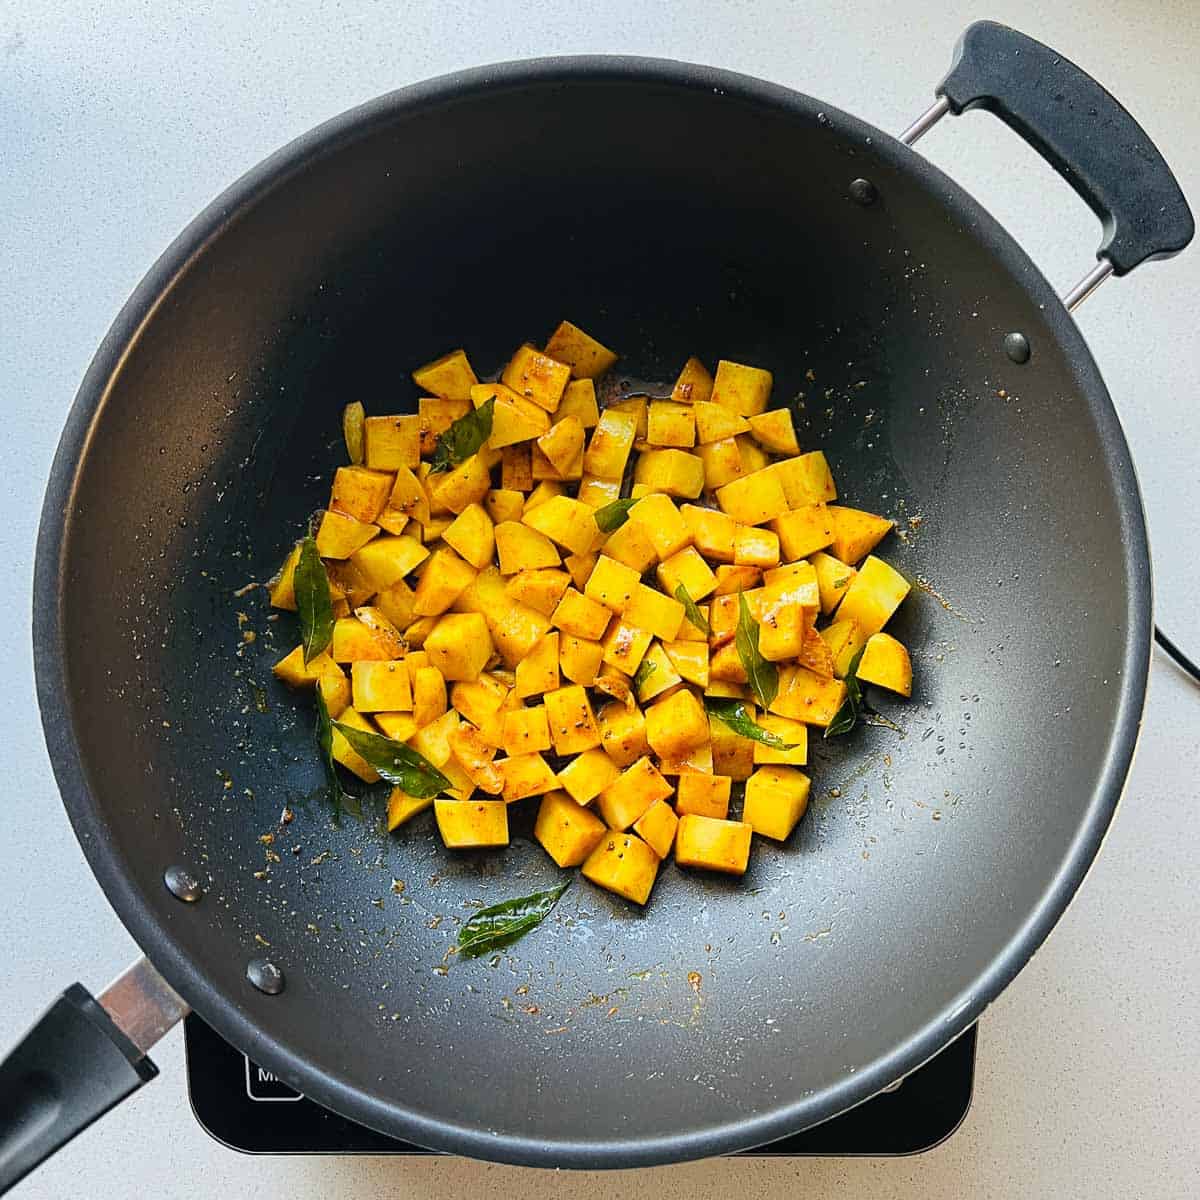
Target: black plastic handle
{"x":70,"y":1068}
{"x":1084,"y":133}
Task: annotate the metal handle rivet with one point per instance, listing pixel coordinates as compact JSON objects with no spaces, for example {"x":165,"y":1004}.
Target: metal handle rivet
{"x":265,"y":976}
{"x":1016,"y":346}
{"x":863,"y":191}
{"x":183,"y":883}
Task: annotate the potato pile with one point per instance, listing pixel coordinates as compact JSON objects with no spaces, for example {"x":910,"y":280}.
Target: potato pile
{"x":572,"y":610}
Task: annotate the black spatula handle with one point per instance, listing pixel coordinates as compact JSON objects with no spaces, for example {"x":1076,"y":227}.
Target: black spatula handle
{"x":69,"y":1069}
{"x":1082,"y":131}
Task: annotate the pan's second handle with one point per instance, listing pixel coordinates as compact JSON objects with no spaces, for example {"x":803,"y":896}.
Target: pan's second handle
{"x":1081,"y":130}
{"x":82,"y":1057}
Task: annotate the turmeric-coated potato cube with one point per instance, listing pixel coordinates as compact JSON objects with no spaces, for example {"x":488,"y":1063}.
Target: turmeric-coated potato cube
{"x":503,"y":504}
{"x":408,"y":499}
{"x":478,"y":699}
{"x":776,"y":798}
{"x":514,"y":420}
{"x":703,"y":795}
{"x":536,"y":377}
{"x":697,"y":760}
{"x":596,"y":492}
{"x":611,"y":441}
{"x":384,"y":560}
{"x":670,"y":424}
{"x":460,"y":645}
{"x":541,"y":588}
{"x":774,"y":431}
{"x":472,"y":824}
{"x":579,"y":401}
{"x":525,"y":775}
{"x":656,"y":613}
{"x":744,"y":390}
{"x":694,"y":384}
{"x":623,"y":733}
{"x":282,"y":589}
{"x":885,"y":662}
{"x":516,"y":470}
{"x":475,"y":755}
{"x":663,"y":524}
{"x":381,"y":686}
{"x":547,"y":489}
{"x":573,"y":726}
{"x":399,"y":726}
{"x":712,"y":531}
{"x":672,"y":472}
{"x":686,"y":568}
{"x":689,"y":660}
{"x":804,"y":531}
{"x":401,"y":807}
{"x":392,"y":442}
{"x":565,"y":521}
{"x":713,"y":844}
{"x":343,"y":752}
{"x":472,"y":534}
{"x":844,"y":639}
{"x":856,"y":533}
{"x":624,"y":864}
{"x":586,"y":357}
{"x":433,"y":741}
{"x":815,"y":654}
{"x":625,"y":645}
{"x":733,"y":755}
{"x":656,"y":674}
{"x":725,"y":665}
{"x":753,"y":499}
{"x":676,"y":725}
{"x":443,"y":580}
{"x":631,"y":793}
{"x":575,"y":614}
{"x":451,"y":377}
{"x":806,"y":479}
{"x":781,"y":629}
{"x":722,"y":463}
{"x":515,"y":630}
{"x":806,"y":696}
{"x":340,"y":536}
{"x":579,"y":659}
{"x":520,"y":548}
{"x":716,"y":423}
{"x":587,"y":775}
{"x":567,"y":831}
{"x":356,"y":641}
{"x":611,"y":583}
{"x":538,"y":671}
{"x":562,"y":444}
{"x":656,"y":827}
{"x":428,"y":694}
{"x":466,"y":484}
{"x":631,"y":544}
{"x":873,"y":595}
{"x":295,"y":672}
{"x":755,"y":547}
{"x":793,"y":583}
{"x":833,"y":577}
{"x":360,"y":493}
{"x":525,"y":731}
{"x":437,"y":415}
{"x":791,"y":733}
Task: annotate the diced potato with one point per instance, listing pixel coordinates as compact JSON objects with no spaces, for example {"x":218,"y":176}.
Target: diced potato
{"x":804,"y":531}
{"x":419,"y":630}
{"x":694,"y":385}
{"x":670,"y":424}
{"x":754,"y":499}
{"x":437,"y":415}
{"x":471,"y":750}
{"x":562,"y":444}
{"x":733,"y":755}
{"x":516,"y":470}
{"x":587,"y":775}
{"x":525,"y":731}
{"x":656,"y":827}
{"x":808,"y":697}
{"x":806,"y":479}
{"x":433,"y":740}
{"x":662,"y":522}
{"x":885,"y":662}
{"x":725,"y":664}
{"x":356,"y":641}
{"x":348,"y":584}
{"x":873,"y":595}
{"x":625,"y":645}
{"x":538,"y":672}
{"x":472,"y":824}
{"x":729,"y":580}
{"x":525,"y":775}
{"x":794,"y":583}
{"x":443,"y":580}
{"x":586,"y":357}
{"x":515,"y":418}
{"x":611,"y":583}
{"x":639,"y":406}
{"x":792,"y":733}
{"x":392,"y":442}
{"x":541,"y":589}
{"x":623,"y":733}
{"x":520,"y":548}
{"x":754,"y":457}
{"x":547,"y":489}
{"x":776,"y":798}
{"x":381,"y":686}
{"x":686,"y":567}
{"x":408,"y":499}
{"x":579,"y":659}
{"x":715,"y":423}
{"x":385,"y":560}
{"x":428,"y":694}
{"x":712,"y":844}
{"x":466,"y":484}
{"x":401,"y":807}
{"x":611,"y":441}
{"x":629,"y":795}
{"x":856,"y":533}
{"x":774,"y":431}
{"x":744,"y":390}
{"x":565,"y":521}
{"x":650,"y":610}
{"x":567,"y":831}
{"x":580,"y":567}
{"x":573,"y":726}
{"x":632,"y":545}
{"x":472,"y":534}
{"x":703,"y":795}
{"x":537,"y":377}
{"x":712,"y":531}
{"x":755,"y":547}
{"x":579,"y":616}
{"x":596,"y":492}
{"x":399,"y":726}
{"x":344,"y":754}
{"x":722,"y":462}
{"x":624,"y":864}
{"x":579,"y":401}
{"x":433,"y":529}
{"x":340,"y":536}
{"x":833,"y":577}
{"x":676,"y":725}
{"x":460,"y":645}
{"x":515,"y":630}
{"x":360,"y":493}
{"x":657,"y":674}
{"x":674,"y":472}
{"x":781,"y":629}
{"x":293,"y":670}
{"x":697,"y":760}
{"x":815,"y":653}
{"x":460,"y":787}
{"x":450,"y":377}
{"x":478,"y":699}
{"x":690,"y":660}
{"x":502,"y":504}
{"x":282,"y":589}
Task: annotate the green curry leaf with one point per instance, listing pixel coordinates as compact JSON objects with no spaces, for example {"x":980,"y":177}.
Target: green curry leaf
{"x":851,"y":708}
{"x":613,"y":516}
{"x":762,"y":675}
{"x":464,"y":437}
{"x":736,"y":715}
{"x":496,"y":926}
{"x":397,"y":763}
{"x":313,"y":600}
{"x":692,"y":610}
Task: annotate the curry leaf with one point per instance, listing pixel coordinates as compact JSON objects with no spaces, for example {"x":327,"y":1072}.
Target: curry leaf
{"x":692,"y":610}
{"x":313,"y":601}
{"x":647,"y":668}
{"x":502,"y":923}
{"x":325,"y":742}
{"x":464,"y":437}
{"x":851,"y":708}
{"x":736,"y":715}
{"x":762,"y":675}
{"x":397,"y":763}
{"x":613,"y":516}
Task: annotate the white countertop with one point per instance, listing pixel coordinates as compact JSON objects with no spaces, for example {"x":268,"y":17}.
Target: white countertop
{"x":122,"y":120}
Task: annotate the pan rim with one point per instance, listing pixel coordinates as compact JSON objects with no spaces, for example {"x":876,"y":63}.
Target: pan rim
{"x":229,"y":1013}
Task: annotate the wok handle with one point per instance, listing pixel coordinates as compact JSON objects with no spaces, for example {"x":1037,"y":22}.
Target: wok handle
{"x":82,"y":1057}
{"x":1082,"y":131}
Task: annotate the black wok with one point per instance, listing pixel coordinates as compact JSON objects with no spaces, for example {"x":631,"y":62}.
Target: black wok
{"x":671,"y":210}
